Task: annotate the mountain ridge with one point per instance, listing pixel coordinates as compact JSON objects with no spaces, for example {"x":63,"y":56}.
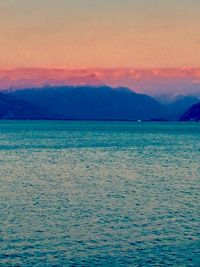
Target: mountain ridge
{"x":85,"y":102}
{"x":89,"y":103}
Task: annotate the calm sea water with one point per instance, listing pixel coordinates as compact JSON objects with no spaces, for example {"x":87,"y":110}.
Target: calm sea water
{"x":99,"y":194}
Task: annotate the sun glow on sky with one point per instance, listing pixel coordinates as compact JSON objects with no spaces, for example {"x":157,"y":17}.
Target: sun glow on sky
{"x":99,"y":33}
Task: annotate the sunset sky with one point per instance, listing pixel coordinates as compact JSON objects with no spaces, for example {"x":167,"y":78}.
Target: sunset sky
{"x":99,"y":33}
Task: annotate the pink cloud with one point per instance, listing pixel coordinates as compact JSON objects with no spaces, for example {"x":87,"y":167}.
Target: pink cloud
{"x":142,"y":80}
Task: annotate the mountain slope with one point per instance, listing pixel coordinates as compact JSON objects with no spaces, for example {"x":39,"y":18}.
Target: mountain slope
{"x":192,"y":114}
{"x":93,"y":103}
{"x":179,"y":106}
{"x":12,"y":108}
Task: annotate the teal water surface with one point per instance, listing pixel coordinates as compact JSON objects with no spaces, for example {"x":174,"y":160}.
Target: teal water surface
{"x":99,"y":194}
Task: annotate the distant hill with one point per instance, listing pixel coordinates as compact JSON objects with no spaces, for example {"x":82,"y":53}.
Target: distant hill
{"x":179,"y":106}
{"x":12,"y":108}
{"x":192,"y":114}
{"x":92,"y":103}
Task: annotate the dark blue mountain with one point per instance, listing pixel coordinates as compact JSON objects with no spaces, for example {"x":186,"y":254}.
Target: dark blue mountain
{"x":13,"y":108}
{"x":92,"y":103}
{"x":179,"y":106}
{"x":192,"y":114}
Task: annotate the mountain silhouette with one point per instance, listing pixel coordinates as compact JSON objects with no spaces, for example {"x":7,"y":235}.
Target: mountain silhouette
{"x":92,"y":103}
{"x":192,"y":114}
{"x":179,"y":106}
{"x":12,"y":108}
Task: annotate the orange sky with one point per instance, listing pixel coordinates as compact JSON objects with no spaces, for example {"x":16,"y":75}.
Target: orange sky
{"x":99,"y":33}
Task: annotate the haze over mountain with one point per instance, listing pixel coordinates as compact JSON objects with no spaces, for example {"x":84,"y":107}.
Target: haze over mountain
{"x":179,"y":105}
{"x":92,"y":103}
{"x":154,"y":81}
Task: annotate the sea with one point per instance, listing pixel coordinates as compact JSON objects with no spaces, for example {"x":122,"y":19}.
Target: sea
{"x":89,"y":193}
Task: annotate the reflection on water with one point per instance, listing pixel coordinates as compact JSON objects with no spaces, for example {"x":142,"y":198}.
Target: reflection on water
{"x":99,"y":194}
